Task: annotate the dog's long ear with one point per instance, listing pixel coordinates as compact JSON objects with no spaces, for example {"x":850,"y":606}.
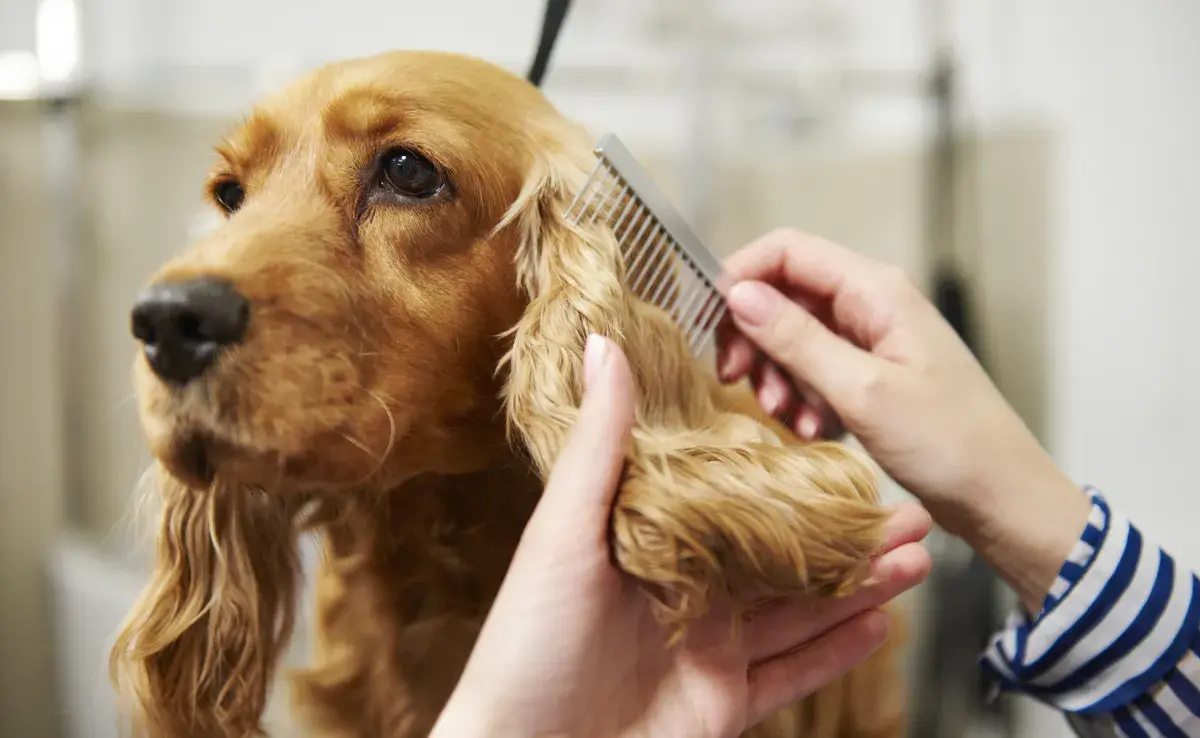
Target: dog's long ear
{"x":197,"y":655}
{"x":572,"y":277}
{"x":712,"y":501}
{"x":570,"y":267}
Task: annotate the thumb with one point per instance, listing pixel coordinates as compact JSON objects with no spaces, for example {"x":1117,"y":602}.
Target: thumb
{"x":589,"y":466}
{"x":798,"y":341}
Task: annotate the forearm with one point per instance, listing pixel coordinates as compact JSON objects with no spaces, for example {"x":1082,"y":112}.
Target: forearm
{"x":1026,"y":523}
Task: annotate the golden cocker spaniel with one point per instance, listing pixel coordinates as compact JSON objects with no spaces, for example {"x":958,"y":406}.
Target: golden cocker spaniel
{"x":382,"y":344}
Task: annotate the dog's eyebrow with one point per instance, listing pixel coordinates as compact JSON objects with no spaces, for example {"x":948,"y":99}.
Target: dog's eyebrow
{"x":253,"y":145}
{"x":364,"y":114}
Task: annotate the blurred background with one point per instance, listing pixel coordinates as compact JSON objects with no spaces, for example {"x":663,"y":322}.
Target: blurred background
{"x":1047,"y":151}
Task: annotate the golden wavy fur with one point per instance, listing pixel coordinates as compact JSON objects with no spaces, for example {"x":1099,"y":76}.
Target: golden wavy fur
{"x":409,"y":372}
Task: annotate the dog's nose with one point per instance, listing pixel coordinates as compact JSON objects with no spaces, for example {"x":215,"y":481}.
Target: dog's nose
{"x":182,"y":325}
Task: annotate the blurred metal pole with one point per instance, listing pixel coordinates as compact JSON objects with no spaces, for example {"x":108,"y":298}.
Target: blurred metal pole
{"x":58,"y":90}
{"x":60,"y":54}
{"x":963,"y":590}
{"x":60,"y":130}
{"x":701,"y":75}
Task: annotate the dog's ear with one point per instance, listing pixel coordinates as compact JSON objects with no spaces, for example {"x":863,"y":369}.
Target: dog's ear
{"x":712,"y":501}
{"x":197,"y":654}
{"x":569,"y":268}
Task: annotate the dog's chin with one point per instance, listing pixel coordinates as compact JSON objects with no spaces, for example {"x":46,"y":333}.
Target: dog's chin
{"x":193,"y":461}
{"x":199,"y":460}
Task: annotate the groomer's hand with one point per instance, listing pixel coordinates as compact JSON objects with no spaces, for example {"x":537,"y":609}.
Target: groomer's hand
{"x":830,"y":338}
{"x":570,"y":647}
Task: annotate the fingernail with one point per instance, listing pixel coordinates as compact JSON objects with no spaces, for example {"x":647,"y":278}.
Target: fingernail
{"x":752,"y":302}
{"x":807,"y":427}
{"x":772,"y":400}
{"x":594,"y":353}
{"x":723,"y":368}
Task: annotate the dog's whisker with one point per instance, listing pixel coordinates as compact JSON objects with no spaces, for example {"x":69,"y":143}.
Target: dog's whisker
{"x":137,"y":518}
{"x":391,"y":423}
{"x":359,"y":445}
{"x":391,"y":442}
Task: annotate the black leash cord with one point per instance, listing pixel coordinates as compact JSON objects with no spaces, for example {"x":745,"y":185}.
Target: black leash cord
{"x":556,"y":11}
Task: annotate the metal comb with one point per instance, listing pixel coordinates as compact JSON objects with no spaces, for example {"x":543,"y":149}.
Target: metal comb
{"x":666,"y":265}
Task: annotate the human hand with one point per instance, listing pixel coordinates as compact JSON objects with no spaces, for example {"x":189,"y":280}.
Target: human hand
{"x":831,"y":338}
{"x":570,"y":646}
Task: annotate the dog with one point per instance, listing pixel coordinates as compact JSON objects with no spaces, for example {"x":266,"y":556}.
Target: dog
{"x":382,"y":344}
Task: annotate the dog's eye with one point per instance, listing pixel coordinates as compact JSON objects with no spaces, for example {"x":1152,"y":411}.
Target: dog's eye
{"x":411,"y":174}
{"x":229,"y":194}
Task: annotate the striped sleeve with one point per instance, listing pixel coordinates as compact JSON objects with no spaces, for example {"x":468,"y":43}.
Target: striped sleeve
{"x":1116,"y":643}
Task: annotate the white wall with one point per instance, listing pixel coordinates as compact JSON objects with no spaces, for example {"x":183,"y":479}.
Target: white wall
{"x":1121,"y":81}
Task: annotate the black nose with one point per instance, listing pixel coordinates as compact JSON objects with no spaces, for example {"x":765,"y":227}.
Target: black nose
{"x":182,"y":325}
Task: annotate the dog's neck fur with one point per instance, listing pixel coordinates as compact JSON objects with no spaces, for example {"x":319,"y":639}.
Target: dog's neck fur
{"x":408,"y":576}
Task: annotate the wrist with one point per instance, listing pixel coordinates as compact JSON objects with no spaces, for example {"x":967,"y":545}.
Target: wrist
{"x":1025,"y":522}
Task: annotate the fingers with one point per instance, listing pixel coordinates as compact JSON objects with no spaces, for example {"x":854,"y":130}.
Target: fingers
{"x":589,"y":466}
{"x":799,"y":342}
{"x":784,"y":625}
{"x":798,"y":260}
{"x":816,"y":420}
{"x":736,"y":354}
{"x":908,"y":523}
{"x":774,"y":391}
{"x":805,"y":411}
{"x":792,"y":676}
{"x":800,"y":408}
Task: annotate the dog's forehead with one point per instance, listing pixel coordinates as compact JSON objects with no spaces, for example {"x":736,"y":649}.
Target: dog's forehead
{"x":353,"y":94}
{"x":447,"y":98}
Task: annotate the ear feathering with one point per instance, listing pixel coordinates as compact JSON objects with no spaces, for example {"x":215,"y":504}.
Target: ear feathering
{"x":197,"y":654}
{"x":713,"y":503}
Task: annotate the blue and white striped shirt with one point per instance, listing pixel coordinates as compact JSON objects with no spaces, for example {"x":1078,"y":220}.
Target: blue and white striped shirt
{"x":1116,"y":645}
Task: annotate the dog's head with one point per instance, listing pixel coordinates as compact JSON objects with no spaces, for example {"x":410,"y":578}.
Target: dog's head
{"x":343,"y":324}
{"x":341,"y":330}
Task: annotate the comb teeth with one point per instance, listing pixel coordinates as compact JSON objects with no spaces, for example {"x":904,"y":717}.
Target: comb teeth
{"x":666,"y":265}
